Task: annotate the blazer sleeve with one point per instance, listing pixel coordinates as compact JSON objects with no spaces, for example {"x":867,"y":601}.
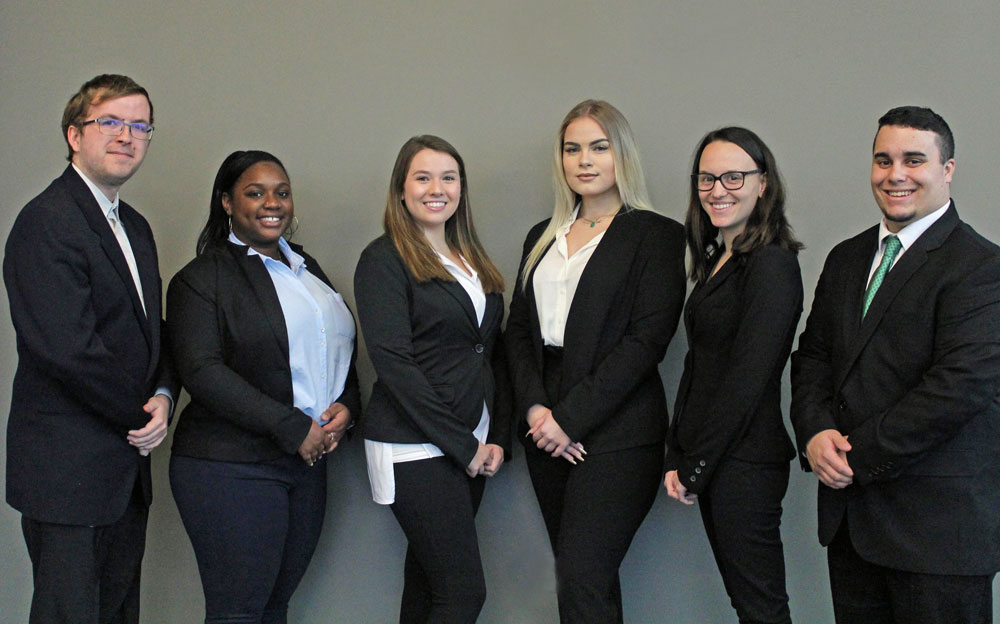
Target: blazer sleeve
{"x":384,"y":307}
{"x":200,"y":357}
{"x":813,"y":407}
{"x":959,"y":385}
{"x":771,"y":303}
{"x":501,"y":422}
{"x":524,"y":375}
{"x":652,"y":322}
{"x":48,"y":279}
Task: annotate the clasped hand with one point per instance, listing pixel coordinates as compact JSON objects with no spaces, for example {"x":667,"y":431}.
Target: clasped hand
{"x":550,"y":437}
{"x":322,"y":439}
{"x":827,"y":455}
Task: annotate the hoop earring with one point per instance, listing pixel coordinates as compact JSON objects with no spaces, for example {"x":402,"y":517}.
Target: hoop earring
{"x":293,"y":228}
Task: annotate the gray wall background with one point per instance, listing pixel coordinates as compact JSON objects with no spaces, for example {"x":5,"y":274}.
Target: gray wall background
{"x":334,"y":88}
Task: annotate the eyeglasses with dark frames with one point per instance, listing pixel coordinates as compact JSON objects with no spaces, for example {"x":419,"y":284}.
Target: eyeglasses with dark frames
{"x":114,"y":127}
{"x":731,"y":180}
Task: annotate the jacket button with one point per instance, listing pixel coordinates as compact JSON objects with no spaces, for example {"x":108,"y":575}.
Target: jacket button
{"x":843,"y":406}
{"x":480,"y":348}
{"x":701,"y":463}
{"x":693,"y":479}
{"x":697,"y":470}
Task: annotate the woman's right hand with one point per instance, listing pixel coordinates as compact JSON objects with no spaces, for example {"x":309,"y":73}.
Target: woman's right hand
{"x":476,"y":465}
{"x":676,"y":490}
{"x":314,"y":445}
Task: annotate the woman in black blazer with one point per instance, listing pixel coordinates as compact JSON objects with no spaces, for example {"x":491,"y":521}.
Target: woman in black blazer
{"x":265,"y":347}
{"x":728,"y":447}
{"x":430,"y":305}
{"x":600,"y":290}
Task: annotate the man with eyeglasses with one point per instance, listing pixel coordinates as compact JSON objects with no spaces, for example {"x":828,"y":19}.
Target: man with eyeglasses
{"x":92,"y":392}
{"x":895,"y":395}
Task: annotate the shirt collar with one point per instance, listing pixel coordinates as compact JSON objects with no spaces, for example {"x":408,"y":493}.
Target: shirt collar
{"x":108,"y":207}
{"x":295,"y":261}
{"x":452,"y":267}
{"x":564,"y":228}
{"x":910,"y":233}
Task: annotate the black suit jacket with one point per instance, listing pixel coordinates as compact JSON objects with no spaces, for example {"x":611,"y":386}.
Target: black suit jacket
{"x":435,"y":363}
{"x":231,"y":352}
{"x":624,"y":312}
{"x":740,"y":328}
{"x":88,"y":356}
{"x":914,"y":387}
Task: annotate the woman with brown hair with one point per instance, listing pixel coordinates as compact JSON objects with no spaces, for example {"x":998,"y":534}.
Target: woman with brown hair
{"x":430,"y":306}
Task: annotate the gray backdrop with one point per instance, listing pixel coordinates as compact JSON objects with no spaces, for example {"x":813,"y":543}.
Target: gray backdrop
{"x":334,"y":88}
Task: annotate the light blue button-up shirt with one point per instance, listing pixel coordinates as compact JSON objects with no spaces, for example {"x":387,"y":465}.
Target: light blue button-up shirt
{"x":320,"y":330}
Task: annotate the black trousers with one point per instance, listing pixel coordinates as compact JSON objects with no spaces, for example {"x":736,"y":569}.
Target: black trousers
{"x":867,"y":593}
{"x":436,"y":505}
{"x":741,"y":511}
{"x":592,"y":511}
{"x":254,"y":527}
{"x":87,"y":575}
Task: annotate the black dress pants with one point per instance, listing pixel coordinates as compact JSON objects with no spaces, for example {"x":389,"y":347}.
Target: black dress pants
{"x":87,"y":575}
{"x":741,"y":511}
{"x":436,"y":505}
{"x":868,"y":593}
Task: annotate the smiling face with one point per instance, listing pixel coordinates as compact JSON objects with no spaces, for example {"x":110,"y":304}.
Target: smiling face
{"x":909,"y":181}
{"x":110,"y":161}
{"x":260,"y":205}
{"x":432,"y":189}
{"x":588,"y":162}
{"x":729,"y":210}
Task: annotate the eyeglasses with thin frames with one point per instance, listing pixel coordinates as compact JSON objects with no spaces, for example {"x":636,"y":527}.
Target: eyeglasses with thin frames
{"x":731,"y":180}
{"x":114,"y":127}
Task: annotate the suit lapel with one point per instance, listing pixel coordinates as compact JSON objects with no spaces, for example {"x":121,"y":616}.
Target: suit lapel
{"x":457,"y":292}
{"x":263,"y":287}
{"x":600,"y":281}
{"x":98,"y":222}
{"x":895,"y":280}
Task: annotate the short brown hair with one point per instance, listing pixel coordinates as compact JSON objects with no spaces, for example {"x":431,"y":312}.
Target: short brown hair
{"x":95,"y":91}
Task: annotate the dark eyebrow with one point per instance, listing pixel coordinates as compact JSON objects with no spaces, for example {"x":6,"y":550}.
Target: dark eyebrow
{"x":425,"y":172}
{"x":596,"y":141}
{"x":914,"y":154}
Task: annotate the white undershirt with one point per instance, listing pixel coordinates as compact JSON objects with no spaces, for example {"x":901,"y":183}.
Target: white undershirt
{"x":382,"y":455}
{"x":556,"y":278}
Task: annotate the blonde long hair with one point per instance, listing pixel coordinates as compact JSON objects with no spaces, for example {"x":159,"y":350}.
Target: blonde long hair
{"x":628,"y":173}
{"x":459,"y":231}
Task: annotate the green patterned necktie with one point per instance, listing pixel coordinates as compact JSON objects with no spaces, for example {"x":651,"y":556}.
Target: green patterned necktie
{"x":892,"y":247}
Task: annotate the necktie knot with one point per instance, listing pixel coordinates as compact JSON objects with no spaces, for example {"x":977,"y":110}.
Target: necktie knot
{"x":892,"y":247}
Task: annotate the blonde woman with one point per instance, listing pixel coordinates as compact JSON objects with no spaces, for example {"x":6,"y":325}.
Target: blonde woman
{"x":599,"y":294}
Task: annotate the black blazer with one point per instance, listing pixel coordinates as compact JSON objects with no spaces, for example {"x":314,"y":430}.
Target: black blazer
{"x":740,"y":326}
{"x":625,"y":311}
{"x":232,"y":357}
{"x":88,"y":356}
{"x":914,"y":386}
{"x":435,"y":363}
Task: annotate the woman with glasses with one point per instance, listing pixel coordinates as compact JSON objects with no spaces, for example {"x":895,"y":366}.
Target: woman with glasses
{"x":728,"y":448}
{"x":599,"y":293}
{"x":265,"y":347}
{"x":430,"y":305}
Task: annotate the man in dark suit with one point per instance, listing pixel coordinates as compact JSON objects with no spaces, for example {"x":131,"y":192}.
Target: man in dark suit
{"x":895,"y":395}
{"x":91,"y":395}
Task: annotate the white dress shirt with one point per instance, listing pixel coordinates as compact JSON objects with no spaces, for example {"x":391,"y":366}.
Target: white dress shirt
{"x":382,"y":455}
{"x":556,"y":278}
{"x":907,"y":236}
{"x":320,"y":330}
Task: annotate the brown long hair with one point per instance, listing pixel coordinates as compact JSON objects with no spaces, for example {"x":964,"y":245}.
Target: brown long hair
{"x":767,"y":223}
{"x":459,"y":231}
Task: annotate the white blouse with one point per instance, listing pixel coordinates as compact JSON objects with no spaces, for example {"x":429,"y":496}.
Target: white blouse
{"x":382,"y":455}
{"x":556,"y":278}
